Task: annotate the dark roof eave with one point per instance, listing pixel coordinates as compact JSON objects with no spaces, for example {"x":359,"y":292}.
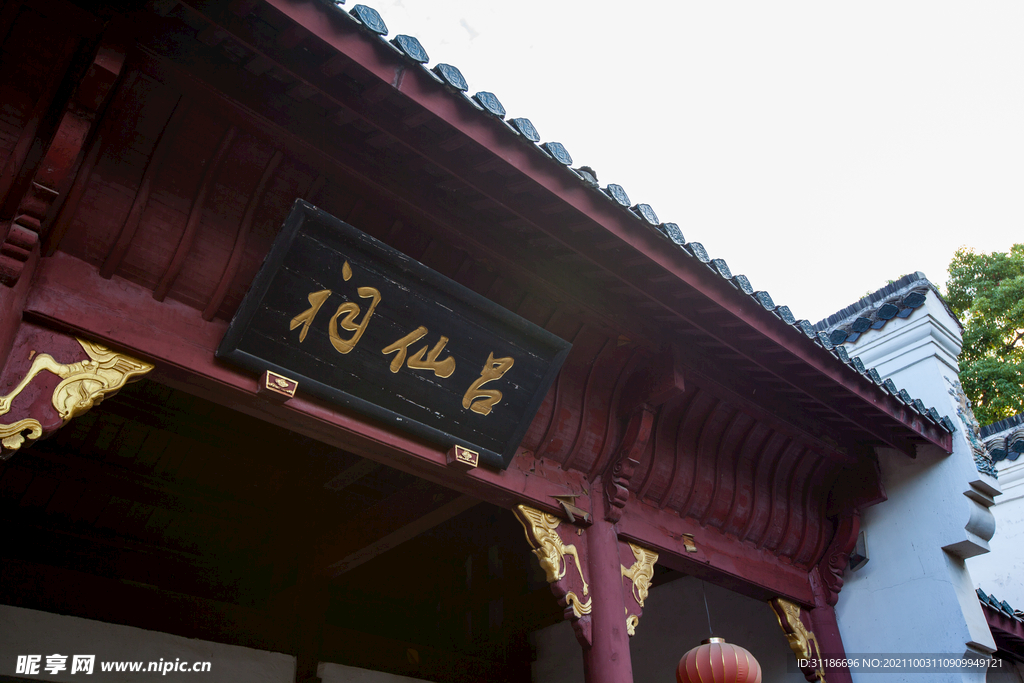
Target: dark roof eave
{"x":422,"y":88}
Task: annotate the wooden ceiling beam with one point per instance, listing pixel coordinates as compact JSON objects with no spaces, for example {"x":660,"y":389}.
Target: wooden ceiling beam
{"x":110,"y":555}
{"x":123,"y":483}
{"x":399,"y":518}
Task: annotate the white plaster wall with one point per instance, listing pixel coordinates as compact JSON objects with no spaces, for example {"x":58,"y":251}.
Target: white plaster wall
{"x":674,"y":621}
{"x":915,"y":595}
{"x":1001,"y":572}
{"x":27,"y":632}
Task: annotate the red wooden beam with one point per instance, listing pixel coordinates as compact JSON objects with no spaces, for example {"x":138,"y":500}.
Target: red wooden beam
{"x":70,"y":293}
{"x":718,"y":558}
{"x":389,"y":525}
{"x":195,"y":215}
{"x":168,"y":138}
{"x":70,"y":201}
{"x":243,"y":233}
{"x":1008,"y":633}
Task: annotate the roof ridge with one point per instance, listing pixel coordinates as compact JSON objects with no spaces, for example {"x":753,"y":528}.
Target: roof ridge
{"x":871,"y":299}
{"x":1002,"y":425}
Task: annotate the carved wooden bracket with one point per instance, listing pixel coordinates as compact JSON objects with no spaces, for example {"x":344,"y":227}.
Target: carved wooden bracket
{"x":837,"y":555}
{"x":51,"y":378}
{"x":54,"y":175}
{"x":616,"y":483}
{"x":554,"y":545}
{"x":859,"y":487}
{"x":801,"y":639}
{"x":636,"y":582}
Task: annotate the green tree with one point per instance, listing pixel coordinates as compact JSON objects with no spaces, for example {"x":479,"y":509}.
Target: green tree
{"x":986,"y":291}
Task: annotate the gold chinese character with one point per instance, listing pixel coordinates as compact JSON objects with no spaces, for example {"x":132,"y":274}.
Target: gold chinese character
{"x":494,"y":368}
{"x":421,"y":359}
{"x":351,"y":311}
{"x":316,"y":300}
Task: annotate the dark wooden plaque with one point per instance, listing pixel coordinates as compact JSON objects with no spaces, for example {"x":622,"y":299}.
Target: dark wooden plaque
{"x":364,"y":326}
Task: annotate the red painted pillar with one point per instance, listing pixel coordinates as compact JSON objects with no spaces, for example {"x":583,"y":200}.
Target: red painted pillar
{"x":607,"y":660}
{"x":822,"y":622}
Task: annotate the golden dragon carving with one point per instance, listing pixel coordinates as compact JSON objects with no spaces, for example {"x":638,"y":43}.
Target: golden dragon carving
{"x":85,"y":383}
{"x":542,"y":535}
{"x":640,"y":575}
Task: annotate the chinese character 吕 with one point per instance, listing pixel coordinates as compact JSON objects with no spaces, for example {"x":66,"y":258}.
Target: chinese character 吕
{"x":482,"y":400}
{"x":420,"y":359}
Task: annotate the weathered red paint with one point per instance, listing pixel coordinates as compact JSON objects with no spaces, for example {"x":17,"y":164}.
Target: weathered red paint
{"x":821,"y":620}
{"x":738,"y":566}
{"x":608,"y":658}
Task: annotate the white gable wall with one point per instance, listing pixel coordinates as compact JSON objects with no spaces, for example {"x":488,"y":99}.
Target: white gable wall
{"x":915,"y":595}
{"x":1001,"y":573}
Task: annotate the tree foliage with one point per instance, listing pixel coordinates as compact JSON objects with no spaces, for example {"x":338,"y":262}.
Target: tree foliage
{"x":986,"y":291}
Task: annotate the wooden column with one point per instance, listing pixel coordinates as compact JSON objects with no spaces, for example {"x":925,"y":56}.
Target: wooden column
{"x":607,"y":660}
{"x":822,"y":621}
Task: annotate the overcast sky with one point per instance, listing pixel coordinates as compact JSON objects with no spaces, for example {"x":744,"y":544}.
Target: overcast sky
{"x":821,"y":148}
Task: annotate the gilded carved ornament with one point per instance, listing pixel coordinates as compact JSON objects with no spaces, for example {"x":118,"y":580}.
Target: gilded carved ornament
{"x":801,"y":640}
{"x":640,"y":574}
{"x":542,"y":535}
{"x":632,"y":621}
{"x":85,"y":383}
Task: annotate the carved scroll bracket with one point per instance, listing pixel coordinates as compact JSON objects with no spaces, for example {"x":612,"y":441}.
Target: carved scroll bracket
{"x":53,"y":176}
{"x":858,"y":488}
{"x":616,"y":483}
{"x":837,"y":556}
{"x":549,"y":541}
{"x":83,"y":384}
{"x":801,"y":639}
{"x":637,"y":584}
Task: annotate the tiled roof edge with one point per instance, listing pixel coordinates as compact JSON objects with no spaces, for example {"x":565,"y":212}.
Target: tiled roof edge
{"x":1002,"y":425}
{"x":871,"y":300}
{"x":413,"y":51}
{"x":998,"y":605}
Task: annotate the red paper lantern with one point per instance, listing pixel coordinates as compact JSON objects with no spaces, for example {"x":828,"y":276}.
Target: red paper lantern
{"x":718,"y":661}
